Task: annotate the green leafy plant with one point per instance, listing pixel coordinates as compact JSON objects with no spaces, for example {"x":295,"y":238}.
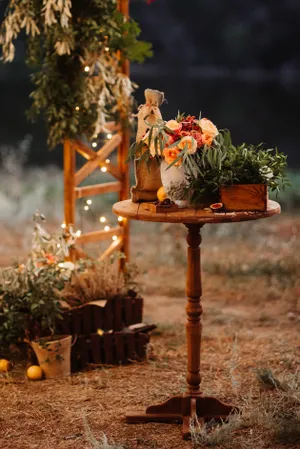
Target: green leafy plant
{"x":30,"y":302}
{"x":224,"y":164}
{"x":76,"y":51}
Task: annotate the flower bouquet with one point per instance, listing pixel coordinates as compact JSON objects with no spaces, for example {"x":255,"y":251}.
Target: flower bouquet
{"x":199,"y":165}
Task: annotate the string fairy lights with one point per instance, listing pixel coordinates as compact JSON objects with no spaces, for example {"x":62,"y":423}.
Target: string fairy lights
{"x":87,"y":208}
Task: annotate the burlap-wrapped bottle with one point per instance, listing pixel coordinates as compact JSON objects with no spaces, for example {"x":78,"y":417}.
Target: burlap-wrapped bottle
{"x":147,"y":175}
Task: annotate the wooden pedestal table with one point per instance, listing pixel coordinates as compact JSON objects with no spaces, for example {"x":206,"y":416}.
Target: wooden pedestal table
{"x":193,"y":403}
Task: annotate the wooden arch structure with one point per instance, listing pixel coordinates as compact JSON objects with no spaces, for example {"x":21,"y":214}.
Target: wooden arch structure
{"x":95,"y":160}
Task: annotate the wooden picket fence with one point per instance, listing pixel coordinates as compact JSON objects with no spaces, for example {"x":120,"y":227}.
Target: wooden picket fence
{"x":96,"y":160}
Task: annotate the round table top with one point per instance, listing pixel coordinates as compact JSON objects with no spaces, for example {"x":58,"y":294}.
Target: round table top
{"x":137,"y":211}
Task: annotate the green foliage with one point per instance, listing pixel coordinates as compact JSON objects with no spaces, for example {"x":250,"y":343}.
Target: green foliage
{"x":62,"y":40}
{"x":126,"y":38}
{"x":223,"y":164}
{"x":29,"y":301}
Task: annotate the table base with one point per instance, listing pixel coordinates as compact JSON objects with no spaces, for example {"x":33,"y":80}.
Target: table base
{"x":183,"y":409}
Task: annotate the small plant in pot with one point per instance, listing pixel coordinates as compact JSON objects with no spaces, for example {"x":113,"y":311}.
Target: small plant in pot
{"x":30,"y":303}
{"x":29,"y":308}
{"x":200,"y":165}
{"x":45,"y":308}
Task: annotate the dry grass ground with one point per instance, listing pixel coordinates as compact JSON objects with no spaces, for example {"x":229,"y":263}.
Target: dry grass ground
{"x":251,"y":321}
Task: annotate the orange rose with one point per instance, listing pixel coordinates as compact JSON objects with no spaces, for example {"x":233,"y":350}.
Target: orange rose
{"x":173,"y":125}
{"x":170,"y":154}
{"x":207,"y":139}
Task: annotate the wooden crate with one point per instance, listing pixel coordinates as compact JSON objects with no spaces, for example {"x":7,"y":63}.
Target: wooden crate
{"x":246,"y":197}
{"x":111,"y":348}
{"x":113,"y":314}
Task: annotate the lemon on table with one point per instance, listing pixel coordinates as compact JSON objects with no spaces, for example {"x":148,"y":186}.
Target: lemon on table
{"x":34,"y":372}
{"x":5,"y":366}
{"x":161,"y":194}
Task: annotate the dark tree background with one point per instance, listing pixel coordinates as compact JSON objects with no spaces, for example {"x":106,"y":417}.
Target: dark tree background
{"x":237,"y":62}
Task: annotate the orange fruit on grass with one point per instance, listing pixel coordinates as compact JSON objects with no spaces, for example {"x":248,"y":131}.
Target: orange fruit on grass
{"x":34,"y":372}
{"x":161,"y":194}
{"x":5,"y":366}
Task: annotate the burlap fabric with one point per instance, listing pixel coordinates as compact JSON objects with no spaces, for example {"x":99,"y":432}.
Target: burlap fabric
{"x":147,"y":175}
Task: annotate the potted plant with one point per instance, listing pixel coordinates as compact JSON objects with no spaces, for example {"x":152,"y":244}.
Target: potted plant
{"x":44,"y":309}
{"x":30,"y":307}
{"x":200,"y":165}
{"x":30,"y":304}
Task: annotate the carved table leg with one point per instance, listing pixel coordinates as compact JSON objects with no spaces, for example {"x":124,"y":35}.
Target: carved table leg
{"x":192,"y":404}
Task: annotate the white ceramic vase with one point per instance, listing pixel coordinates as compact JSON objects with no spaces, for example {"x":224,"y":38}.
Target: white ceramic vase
{"x":174,"y":181}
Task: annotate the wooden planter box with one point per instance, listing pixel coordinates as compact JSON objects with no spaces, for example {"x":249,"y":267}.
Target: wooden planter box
{"x":113,"y":314}
{"x":111,"y":348}
{"x":246,"y":197}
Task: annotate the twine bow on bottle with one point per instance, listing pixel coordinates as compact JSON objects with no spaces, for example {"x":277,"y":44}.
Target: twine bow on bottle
{"x":149,"y":112}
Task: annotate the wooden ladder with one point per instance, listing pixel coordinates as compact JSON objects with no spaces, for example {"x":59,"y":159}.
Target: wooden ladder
{"x":95,"y":160}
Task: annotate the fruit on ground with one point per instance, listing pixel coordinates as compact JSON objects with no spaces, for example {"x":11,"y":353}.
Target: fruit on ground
{"x":5,"y":366}
{"x":34,"y":372}
{"x":161,"y":194}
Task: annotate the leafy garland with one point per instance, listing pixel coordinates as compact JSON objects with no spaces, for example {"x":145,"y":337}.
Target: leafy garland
{"x":76,"y":49}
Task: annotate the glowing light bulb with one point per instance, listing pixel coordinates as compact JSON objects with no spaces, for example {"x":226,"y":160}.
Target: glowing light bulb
{"x":89,"y":202}
{"x":78,"y":233}
{"x":120,"y":218}
{"x":109,"y":136}
{"x":114,"y":237}
{"x":106,"y":49}
{"x":86,"y":207}
{"x":107,"y":228}
{"x":102,"y":219}
{"x":107,"y":161}
{"x":94,"y":144}
{"x":77,"y":108}
{"x":63,"y":225}
{"x":86,"y":69}
{"x":103,"y":169}
{"x":58,"y":245}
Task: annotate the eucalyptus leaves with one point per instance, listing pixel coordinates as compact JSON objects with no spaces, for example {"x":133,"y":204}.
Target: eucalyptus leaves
{"x":74,"y":47}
